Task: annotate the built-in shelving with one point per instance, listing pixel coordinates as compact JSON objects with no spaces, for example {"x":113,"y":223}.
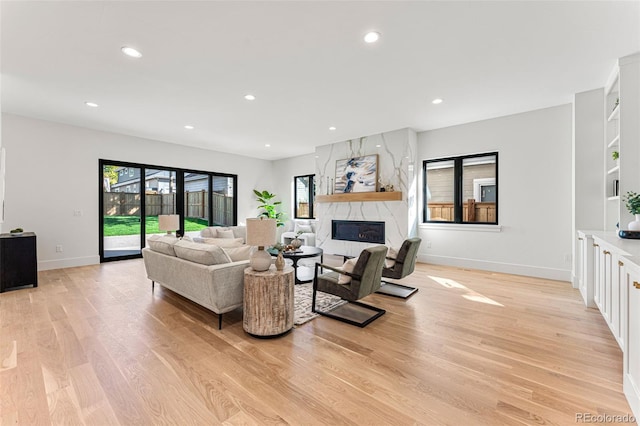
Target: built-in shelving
{"x":614,"y":142}
{"x":621,"y":140}
{"x":359,"y":196}
{"x":615,"y":114}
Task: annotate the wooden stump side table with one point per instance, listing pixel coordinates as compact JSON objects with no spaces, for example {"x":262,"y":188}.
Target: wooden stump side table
{"x":268,"y":302}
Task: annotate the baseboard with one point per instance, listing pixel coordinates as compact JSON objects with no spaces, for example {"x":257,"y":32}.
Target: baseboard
{"x":633,"y":395}
{"x":507,"y":268}
{"x":574,"y":280}
{"x":46,"y":265}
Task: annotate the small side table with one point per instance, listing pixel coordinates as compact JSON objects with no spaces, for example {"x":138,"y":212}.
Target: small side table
{"x":268,"y":302}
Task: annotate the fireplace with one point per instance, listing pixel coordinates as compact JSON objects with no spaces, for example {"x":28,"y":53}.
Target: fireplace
{"x":357,"y":230}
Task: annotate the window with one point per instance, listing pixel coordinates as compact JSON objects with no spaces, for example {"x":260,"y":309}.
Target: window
{"x":304,"y":191}
{"x":461,"y":189}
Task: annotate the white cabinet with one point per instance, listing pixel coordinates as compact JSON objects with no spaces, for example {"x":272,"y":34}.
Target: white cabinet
{"x":584,"y":267}
{"x":609,"y":294}
{"x":631,"y":363}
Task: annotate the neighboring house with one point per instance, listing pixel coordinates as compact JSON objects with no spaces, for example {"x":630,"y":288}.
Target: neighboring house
{"x":157,"y":181}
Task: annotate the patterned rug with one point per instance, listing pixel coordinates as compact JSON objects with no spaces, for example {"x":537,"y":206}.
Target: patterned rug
{"x":302,"y":302}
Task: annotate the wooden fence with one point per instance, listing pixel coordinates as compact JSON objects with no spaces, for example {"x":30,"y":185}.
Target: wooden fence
{"x":472,"y":211}
{"x":195,"y":205}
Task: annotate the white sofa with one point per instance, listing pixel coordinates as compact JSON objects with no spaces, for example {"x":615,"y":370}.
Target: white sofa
{"x":203,"y":273}
{"x":308,"y":235}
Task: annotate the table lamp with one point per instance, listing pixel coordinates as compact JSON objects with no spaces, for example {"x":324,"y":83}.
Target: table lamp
{"x":168,"y":222}
{"x":261,"y":232}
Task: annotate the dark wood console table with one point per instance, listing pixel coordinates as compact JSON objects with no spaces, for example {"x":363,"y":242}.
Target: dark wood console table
{"x":18,"y":261}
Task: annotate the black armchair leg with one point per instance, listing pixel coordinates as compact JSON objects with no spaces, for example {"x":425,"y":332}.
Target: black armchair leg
{"x":219,"y":321}
{"x":315,"y":288}
{"x":396,"y":290}
{"x":153,"y":286}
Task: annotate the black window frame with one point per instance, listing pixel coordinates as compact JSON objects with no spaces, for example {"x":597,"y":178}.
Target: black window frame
{"x":311,"y":194}
{"x":458,"y":202}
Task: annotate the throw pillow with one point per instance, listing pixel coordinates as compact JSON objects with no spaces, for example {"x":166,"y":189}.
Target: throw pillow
{"x":223,"y":242}
{"x":300,"y":223}
{"x":305,"y":229}
{"x":163,"y":244}
{"x":348,"y":266}
{"x":228,"y":233}
{"x":204,"y":254}
{"x":238,"y":253}
{"x":209,"y":232}
{"x":392,"y":254}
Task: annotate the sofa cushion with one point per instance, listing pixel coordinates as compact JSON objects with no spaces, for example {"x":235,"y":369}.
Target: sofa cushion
{"x":223,"y":242}
{"x":209,"y":232}
{"x":225,"y":233}
{"x":205,"y":254}
{"x":163,"y":244}
{"x":238,"y":253}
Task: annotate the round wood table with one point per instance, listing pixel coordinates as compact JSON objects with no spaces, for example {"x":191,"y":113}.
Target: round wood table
{"x":268,"y":302}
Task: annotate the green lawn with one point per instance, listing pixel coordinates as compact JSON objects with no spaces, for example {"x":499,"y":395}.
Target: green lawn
{"x":130,"y":225}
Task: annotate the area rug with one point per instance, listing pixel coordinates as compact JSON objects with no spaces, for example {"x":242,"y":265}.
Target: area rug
{"x":302,"y":302}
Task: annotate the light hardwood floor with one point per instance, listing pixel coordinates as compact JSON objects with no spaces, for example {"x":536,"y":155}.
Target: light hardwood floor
{"x":93,"y":345}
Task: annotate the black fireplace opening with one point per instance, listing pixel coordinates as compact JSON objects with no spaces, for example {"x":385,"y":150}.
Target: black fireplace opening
{"x":358,"y":230}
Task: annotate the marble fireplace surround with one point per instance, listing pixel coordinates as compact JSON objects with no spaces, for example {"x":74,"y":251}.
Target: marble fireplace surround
{"x":396,"y":166}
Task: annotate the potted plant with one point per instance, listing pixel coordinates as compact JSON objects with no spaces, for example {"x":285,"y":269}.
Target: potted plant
{"x":265,"y":198}
{"x":615,"y":155}
{"x":632,"y":202}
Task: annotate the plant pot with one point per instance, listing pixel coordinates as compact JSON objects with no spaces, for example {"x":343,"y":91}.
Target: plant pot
{"x":634,"y":225}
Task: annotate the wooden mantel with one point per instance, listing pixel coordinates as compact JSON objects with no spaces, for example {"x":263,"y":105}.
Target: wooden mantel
{"x":359,"y":196}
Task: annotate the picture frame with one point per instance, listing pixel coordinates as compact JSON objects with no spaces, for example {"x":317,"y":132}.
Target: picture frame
{"x":357,"y":174}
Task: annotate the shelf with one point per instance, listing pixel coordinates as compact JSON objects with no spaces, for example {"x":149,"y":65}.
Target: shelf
{"x":615,"y":114}
{"x":613,"y":170}
{"x":359,"y":196}
{"x":614,"y":142}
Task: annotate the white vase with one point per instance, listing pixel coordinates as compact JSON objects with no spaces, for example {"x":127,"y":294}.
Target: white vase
{"x":635,"y":224}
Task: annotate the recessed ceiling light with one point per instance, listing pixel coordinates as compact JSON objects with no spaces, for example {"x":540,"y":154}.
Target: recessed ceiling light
{"x":250,"y":97}
{"x":371,"y":36}
{"x":267,"y":145}
{"x":130,"y":51}
{"x":189,"y":127}
{"x":436,"y":101}
{"x":332,"y":128}
{"x":91,"y":104}
{"x":378,"y":146}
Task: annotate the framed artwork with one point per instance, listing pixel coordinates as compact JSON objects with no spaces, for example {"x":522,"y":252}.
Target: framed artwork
{"x":357,"y":174}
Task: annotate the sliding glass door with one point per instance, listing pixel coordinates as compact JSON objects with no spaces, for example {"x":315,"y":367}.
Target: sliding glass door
{"x":133,"y":196}
{"x":159,"y":197}
{"x":121,"y":218}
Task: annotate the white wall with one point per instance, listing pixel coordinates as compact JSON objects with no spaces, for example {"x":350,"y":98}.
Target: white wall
{"x":588,"y":164}
{"x":52,"y":170}
{"x":535,"y":195}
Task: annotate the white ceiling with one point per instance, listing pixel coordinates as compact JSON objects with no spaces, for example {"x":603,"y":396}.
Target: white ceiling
{"x":306,"y":64}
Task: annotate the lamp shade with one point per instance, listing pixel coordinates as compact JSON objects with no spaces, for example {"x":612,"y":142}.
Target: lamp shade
{"x":261,"y":232}
{"x":168,"y":222}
